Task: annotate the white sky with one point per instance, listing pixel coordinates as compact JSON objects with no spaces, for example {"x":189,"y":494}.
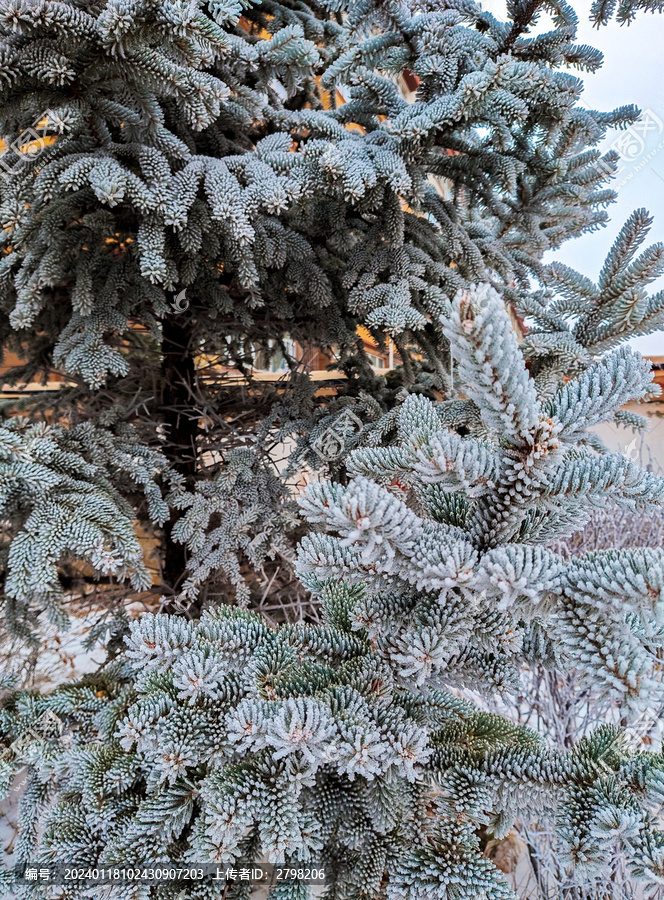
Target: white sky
{"x":633,"y":72}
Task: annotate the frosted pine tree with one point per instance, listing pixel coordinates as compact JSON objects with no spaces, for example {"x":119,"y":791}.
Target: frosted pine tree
{"x":185,"y":184}
{"x":262,"y":159}
{"x":347,"y":744}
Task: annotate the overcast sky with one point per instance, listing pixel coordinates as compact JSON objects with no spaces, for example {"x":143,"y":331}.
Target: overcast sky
{"x":633,"y":72}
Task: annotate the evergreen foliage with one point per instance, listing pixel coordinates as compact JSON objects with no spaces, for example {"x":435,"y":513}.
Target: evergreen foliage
{"x":306,"y":745}
{"x":60,"y":492}
{"x":448,"y":533}
{"x":553,"y":700}
{"x":573,"y":320}
{"x":341,"y":743}
{"x":261,"y":159}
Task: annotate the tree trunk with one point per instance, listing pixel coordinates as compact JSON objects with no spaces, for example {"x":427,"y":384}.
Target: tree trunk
{"x":178,"y":378}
